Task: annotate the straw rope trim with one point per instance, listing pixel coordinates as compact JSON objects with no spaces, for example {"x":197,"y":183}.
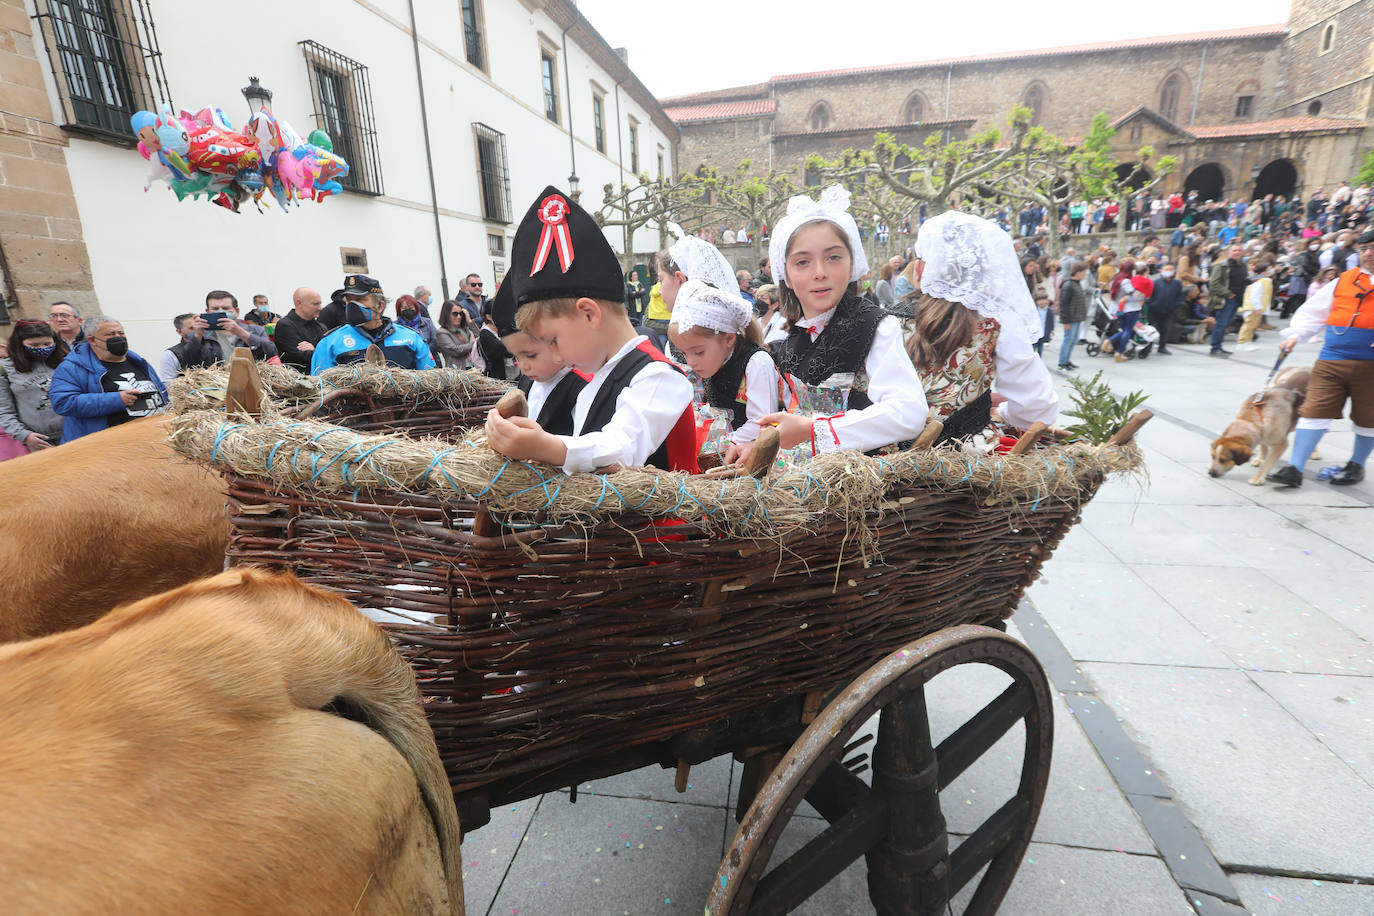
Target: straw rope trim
{"x":285,"y":388}
{"x":325,"y":458}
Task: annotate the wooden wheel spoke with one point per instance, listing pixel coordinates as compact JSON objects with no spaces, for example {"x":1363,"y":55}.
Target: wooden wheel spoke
{"x":984,"y":844}
{"x":976,"y":737}
{"x":861,"y":821}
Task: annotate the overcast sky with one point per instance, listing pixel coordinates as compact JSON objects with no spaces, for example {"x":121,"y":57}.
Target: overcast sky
{"x":682,"y":47}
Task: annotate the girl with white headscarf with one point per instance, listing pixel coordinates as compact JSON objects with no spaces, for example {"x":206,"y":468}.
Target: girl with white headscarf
{"x":818,"y":258}
{"x":976,"y":324}
{"x":718,"y":337}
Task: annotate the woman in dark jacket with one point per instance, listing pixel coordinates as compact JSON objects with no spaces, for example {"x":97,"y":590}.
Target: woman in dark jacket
{"x":1073,"y":311}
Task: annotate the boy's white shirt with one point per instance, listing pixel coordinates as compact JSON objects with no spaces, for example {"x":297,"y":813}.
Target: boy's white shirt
{"x":645,"y":413}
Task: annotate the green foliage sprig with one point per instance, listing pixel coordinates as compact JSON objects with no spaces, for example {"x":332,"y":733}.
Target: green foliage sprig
{"x":1100,"y":413}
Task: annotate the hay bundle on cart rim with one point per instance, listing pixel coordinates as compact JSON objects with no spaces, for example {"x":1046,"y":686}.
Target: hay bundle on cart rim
{"x":552,"y":618}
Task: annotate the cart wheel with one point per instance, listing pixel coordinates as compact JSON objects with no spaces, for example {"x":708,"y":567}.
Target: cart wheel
{"x":1093,"y":348}
{"x":897,"y":823}
{"x":1144,"y":352}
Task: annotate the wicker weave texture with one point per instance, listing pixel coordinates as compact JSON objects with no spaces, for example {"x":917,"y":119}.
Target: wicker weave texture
{"x":550,"y":645}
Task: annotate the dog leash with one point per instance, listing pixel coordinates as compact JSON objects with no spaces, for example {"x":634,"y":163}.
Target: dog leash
{"x":1258,"y":399}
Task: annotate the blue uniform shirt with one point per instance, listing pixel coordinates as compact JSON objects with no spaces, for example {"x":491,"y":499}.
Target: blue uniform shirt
{"x":348,"y":344}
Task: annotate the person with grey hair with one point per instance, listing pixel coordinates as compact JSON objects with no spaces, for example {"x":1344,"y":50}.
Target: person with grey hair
{"x":423,"y":296}
{"x":66,"y":321}
{"x":103,"y":383}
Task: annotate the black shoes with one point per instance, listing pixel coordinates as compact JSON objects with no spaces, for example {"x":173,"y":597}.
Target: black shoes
{"x":1289,"y":476}
{"x":1352,"y":473}
{"x":1163,"y":352}
{"x":1067,"y":366}
{"x":1220,"y":354}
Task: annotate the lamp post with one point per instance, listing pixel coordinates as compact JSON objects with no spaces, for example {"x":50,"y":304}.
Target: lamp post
{"x":572,"y":187}
{"x":256,"y":94}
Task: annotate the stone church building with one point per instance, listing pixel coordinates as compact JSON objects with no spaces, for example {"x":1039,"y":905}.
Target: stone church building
{"x":1247,"y":111}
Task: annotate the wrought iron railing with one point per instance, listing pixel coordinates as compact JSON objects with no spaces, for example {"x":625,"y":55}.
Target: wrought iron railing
{"x":341,"y":92}
{"x":106,"y":62}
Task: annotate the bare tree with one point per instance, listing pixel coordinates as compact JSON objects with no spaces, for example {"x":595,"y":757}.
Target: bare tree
{"x":755,"y":200}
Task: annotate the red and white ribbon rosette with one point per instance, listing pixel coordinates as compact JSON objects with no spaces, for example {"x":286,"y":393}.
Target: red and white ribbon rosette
{"x":553,"y":213}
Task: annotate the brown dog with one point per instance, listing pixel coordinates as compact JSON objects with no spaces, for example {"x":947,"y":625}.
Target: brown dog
{"x":1262,"y":426}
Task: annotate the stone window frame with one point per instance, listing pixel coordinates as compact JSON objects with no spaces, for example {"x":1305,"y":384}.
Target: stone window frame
{"x":549,"y":96}
{"x":598,"y":116}
{"x":821,"y":113}
{"x":633,"y":124}
{"x":917,"y":97}
{"x":472,"y":18}
{"x":1328,"y":39}
{"x":1171,"y":113}
{"x":1033,"y":89}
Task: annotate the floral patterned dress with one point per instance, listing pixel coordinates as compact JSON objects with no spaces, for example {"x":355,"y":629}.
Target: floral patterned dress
{"x":966,"y":375}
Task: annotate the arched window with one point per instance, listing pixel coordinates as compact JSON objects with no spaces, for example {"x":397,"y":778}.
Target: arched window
{"x":820,"y":117}
{"x":914,"y":111}
{"x":1328,"y":37}
{"x":1315,"y":108}
{"x":1169,"y":96}
{"x":1034,"y":99}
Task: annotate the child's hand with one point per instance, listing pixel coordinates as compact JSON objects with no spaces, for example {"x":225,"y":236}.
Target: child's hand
{"x":793,"y":429}
{"x":738,"y":453}
{"x":523,"y":439}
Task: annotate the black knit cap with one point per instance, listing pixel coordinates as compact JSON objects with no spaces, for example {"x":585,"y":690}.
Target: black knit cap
{"x":560,"y":253}
{"x":503,"y":308}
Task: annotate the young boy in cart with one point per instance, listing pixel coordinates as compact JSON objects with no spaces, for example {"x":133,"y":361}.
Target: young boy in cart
{"x":569,"y":292}
{"x":550,"y":388}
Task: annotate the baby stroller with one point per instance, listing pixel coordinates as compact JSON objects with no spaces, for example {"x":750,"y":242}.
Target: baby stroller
{"x":1142,"y":342}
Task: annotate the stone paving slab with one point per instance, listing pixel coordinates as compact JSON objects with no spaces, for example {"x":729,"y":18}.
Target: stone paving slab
{"x":707,"y":784}
{"x":576,"y":861}
{"x":1276,"y":499}
{"x":1265,"y":895}
{"x":488,"y":852}
{"x":1350,"y":527}
{"x":1338,"y":710}
{"x":1348,"y":598}
{"x":1105,"y":612}
{"x":1155,"y":534}
{"x":1256,"y":783}
{"x":1267,"y":541}
{"x":1257,"y":622}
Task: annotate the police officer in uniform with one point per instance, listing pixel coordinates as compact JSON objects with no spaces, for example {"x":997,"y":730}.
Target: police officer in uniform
{"x":1344,"y":313}
{"x":364,"y":326}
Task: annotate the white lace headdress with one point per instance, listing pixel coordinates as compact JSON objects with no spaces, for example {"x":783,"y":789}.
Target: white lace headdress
{"x":700,"y":305}
{"x":834,"y":207}
{"x":971,"y":261}
{"x":700,"y":260}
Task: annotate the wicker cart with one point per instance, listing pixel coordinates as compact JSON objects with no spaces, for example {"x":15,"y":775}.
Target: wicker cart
{"x":557,"y":641}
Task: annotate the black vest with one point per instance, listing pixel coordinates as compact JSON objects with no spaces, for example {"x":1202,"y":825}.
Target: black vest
{"x":556,"y":414}
{"x":603,"y":405}
{"x":723,"y":390}
{"x":842,"y":347}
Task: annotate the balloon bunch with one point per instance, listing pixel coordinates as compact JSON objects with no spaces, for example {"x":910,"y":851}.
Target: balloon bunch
{"x":200,"y":153}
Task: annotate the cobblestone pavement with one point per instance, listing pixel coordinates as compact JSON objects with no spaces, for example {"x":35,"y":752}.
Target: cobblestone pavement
{"x":1211,"y":645}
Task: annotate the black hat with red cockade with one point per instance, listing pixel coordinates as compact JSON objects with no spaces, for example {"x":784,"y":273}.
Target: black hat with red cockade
{"x":503,"y":307}
{"x":559,"y":252}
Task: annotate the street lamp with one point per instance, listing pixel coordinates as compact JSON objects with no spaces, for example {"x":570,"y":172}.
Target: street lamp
{"x":256,"y":94}
{"x":572,"y":186}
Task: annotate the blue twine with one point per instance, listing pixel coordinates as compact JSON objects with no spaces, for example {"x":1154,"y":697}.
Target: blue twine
{"x":224,"y":430}
{"x":657,"y":478}
{"x":433,"y":462}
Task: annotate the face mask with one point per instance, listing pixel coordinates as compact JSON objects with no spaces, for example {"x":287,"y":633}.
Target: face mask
{"x":356,"y":313}
{"x":40,"y":353}
{"x":1166,"y":274}
{"x":117,"y":346}
{"x":408,"y":314}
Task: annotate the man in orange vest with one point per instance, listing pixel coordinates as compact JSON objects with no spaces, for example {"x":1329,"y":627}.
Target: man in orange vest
{"x":1344,"y":312}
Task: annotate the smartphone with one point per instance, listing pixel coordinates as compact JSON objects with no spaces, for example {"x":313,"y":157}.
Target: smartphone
{"x":213,"y":318}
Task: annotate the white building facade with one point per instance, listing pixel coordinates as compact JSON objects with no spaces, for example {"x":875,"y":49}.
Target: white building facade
{"x":453,"y":114}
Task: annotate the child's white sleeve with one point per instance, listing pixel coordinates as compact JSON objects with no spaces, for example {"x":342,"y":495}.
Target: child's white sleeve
{"x":645,"y":413}
{"x":899,"y":406}
{"x":761,"y":392}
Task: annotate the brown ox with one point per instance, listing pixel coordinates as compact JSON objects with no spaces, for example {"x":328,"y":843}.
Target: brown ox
{"x":111,"y":517}
{"x":203,"y":751}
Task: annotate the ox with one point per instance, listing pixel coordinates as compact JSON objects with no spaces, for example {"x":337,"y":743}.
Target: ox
{"x":110,"y":517}
{"x":241,"y":744}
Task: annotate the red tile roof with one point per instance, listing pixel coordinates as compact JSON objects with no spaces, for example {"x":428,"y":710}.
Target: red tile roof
{"x":721,"y":110}
{"x":732,"y":94}
{"x":1261,"y":31}
{"x":1298,"y":125}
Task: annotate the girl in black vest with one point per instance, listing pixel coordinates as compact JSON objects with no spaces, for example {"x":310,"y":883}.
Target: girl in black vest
{"x":818,"y":258}
{"x":716,"y":332}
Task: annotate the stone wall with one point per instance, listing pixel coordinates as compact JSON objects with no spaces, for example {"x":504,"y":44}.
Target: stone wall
{"x":40,"y":232}
{"x":1311,"y":75}
{"x":724,"y":143}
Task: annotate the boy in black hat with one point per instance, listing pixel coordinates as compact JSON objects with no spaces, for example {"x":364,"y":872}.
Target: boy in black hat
{"x":364,"y":326}
{"x":550,"y":387}
{"x":569,"y":292}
